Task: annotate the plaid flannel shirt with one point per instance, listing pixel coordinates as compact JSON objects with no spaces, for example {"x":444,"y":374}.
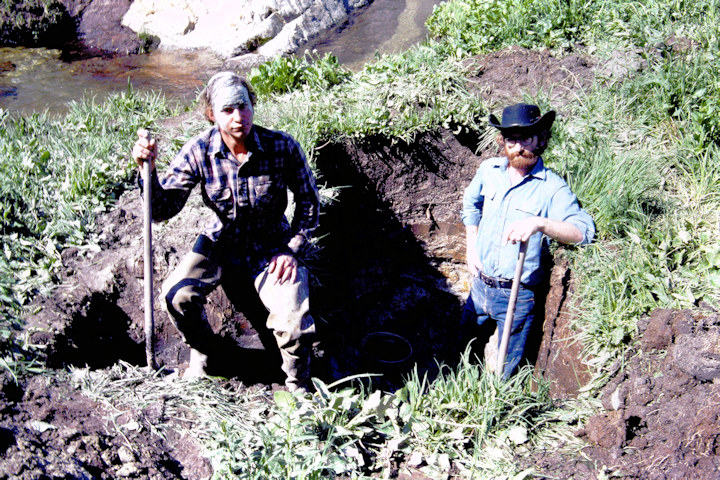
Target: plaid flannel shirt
{"x":249,"y":199}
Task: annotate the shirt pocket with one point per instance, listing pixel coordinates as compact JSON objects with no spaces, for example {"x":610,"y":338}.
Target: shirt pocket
{"x":489,"y":195}
{"x":523,"y":211}
{"x":222,"y":202}
{"x":264,"y":189}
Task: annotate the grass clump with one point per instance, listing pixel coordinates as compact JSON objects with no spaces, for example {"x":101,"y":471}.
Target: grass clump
{"x":463,"y":422}
{"x":284,"y":74}
{"x":470,"y":421}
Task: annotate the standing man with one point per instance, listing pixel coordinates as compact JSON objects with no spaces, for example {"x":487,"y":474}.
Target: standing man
{"x":513,"y":199}
{"x":244,"y":172}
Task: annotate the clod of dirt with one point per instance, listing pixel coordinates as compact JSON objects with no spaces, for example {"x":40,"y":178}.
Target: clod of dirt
{"x":662,"y":418}
{"x":503,"y":77}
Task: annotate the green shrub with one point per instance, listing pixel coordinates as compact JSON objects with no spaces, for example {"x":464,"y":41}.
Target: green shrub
{"x":285,"y":74}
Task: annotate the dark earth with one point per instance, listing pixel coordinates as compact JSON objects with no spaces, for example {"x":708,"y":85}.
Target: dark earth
{"x":390,"y":259}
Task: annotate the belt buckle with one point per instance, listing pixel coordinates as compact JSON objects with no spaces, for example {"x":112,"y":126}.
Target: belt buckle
{"x":493,"y":282}
{"x":489,"y":281}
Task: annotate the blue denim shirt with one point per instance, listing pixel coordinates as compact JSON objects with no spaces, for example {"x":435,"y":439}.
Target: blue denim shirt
{"x":492,"y":204}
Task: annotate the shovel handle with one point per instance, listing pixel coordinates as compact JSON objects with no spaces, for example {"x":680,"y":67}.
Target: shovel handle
{"x":502,"y":351}
{"x":148,"y":261}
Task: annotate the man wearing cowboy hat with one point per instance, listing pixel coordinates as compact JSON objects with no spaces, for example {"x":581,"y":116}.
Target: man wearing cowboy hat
{"x":512,"y":199}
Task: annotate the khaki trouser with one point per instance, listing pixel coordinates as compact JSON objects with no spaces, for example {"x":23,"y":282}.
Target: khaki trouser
{"x":185,"y":293}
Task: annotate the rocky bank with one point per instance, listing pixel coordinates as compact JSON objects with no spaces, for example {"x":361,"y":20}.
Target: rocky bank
{"x":250,"y":31}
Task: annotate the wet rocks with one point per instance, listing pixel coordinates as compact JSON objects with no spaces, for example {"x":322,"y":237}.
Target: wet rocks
{"x":99,"y":28}
{"x":32,"y":23}
{"x":238,"y":28}
{"x":252,"y":31}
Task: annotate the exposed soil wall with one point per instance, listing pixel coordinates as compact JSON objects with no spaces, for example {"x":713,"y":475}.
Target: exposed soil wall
{"x":391,"y":259}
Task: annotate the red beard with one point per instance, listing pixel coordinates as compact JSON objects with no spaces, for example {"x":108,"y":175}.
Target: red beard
{"x":523,"y":160}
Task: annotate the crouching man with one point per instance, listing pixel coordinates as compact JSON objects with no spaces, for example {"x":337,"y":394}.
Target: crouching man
{"x":244,"y":172}
{"x":512,"y":199}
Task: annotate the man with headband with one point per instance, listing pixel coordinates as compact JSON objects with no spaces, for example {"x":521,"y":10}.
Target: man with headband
{"x":244,"y":172}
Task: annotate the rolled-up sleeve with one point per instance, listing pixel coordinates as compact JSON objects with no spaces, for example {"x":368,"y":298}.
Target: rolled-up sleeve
{"x":565,"y":207}
{"x":473,"y":201}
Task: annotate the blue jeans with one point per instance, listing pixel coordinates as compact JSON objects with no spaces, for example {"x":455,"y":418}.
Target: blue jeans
{"x":487,"y":302}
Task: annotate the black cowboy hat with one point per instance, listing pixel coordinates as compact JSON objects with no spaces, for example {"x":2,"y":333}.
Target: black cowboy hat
{"x":522,"y":116}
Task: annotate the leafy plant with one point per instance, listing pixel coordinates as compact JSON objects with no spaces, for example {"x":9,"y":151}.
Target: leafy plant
{"x":285,"y":74}
{"x":463,"y":419}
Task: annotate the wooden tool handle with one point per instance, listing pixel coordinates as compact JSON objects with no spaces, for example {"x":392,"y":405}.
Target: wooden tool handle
{"x":507,"y":328}
{"x":148,"y":260}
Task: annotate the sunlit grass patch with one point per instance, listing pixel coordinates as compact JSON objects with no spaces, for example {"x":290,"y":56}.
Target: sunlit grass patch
{"x":471,"y":420}
{"x":481,"y":26}
{"x":395,"y":96}
{"x":466,"y":420}
{"x":56,"y":176}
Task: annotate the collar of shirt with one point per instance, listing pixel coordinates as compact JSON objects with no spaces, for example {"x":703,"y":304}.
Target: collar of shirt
{"x":538,"y":171}
{"x":217,"y":147}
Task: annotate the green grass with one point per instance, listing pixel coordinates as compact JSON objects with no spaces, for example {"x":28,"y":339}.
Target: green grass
{"x":284,"y":74}
{"x":464,"y":420}
{"x":396,"y":96}
{"x":482,"y":26}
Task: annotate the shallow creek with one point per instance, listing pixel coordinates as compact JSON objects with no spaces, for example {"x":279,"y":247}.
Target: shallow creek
{"x":36,"y":79}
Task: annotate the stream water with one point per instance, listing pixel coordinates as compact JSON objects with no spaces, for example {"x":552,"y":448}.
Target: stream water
{"x":37,"y":80}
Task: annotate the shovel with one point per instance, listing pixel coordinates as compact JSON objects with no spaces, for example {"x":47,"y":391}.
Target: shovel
{"x":148,"y":261}
{"x":502,"y":352}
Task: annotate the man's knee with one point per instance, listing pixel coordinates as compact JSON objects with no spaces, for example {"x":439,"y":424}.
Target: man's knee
{"x":182,"y":298}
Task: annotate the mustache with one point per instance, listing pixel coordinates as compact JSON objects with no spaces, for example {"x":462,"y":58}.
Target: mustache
{"x":523,"y":159}
{"x":528,"y":154}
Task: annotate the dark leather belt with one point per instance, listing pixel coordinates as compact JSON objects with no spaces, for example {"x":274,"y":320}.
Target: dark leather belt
{"x":495,"y":282}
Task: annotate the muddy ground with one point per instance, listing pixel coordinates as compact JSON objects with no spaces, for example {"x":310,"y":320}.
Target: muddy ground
{"x":390,"y":260}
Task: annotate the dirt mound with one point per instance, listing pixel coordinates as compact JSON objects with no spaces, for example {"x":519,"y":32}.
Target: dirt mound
{"x":663,"y":409}
{"x":662,"y":418}
{"x":51,"y":430}
{"x":502,"y":77}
